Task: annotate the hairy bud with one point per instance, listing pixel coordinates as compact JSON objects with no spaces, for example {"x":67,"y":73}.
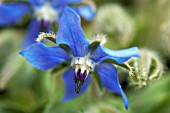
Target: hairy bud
{"x":146,"y":68}
{"x":114,"y":21}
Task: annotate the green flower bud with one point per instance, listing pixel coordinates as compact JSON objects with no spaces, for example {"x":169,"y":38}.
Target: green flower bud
{"x":146,"y":68}
{"x":114,"y":21}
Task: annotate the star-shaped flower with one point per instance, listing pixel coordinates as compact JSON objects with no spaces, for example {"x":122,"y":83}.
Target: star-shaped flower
{"x":84,"y":58}
{"x":44,"y":13}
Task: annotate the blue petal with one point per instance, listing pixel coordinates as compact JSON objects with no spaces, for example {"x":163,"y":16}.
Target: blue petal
{"x":109,"y":79}
{"x":10,"y":13}
{"x":62,"y":3}
{"x":71,"y":33}
{"x":70,"y":85}
{"x":86,"y":12}
{"x":37,"y":2}
{"x":43,"y":57}
{"x":120,"y":56}
{"x":32,"y":33}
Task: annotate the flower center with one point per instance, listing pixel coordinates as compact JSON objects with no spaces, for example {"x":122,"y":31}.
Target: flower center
{"x":83,"y":66}
{"x":46,"y":13}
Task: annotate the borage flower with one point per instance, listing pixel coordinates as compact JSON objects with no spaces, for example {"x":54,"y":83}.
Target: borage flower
{"x":84,"y":58}
{"x":44,"y":13}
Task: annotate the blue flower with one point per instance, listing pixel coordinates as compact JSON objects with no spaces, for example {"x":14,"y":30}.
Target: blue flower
{"x":43,"y":12}
{"x":84,"y":58}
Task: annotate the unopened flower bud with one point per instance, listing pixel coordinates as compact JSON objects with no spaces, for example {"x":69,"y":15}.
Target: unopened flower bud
{"x":114,"y":21}
{"x":146,"y":68}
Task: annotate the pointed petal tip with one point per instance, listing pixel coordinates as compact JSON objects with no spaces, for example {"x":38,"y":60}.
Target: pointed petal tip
{"x":22,"y":53}
{"x":126,"y":107}
{"x":43,"y":57}
{"x":25,"y":49}
{"x":125,"y":100}
{"x":109,"y":80}
{"x":137,"y":51}
{"x":70,"y":12}
{"x":87,"y":12}
{"x":119,"y":56}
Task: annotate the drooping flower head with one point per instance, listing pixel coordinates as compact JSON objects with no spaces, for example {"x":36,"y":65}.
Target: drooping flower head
{"x":84,"y":58}
{"x":44,"y":13}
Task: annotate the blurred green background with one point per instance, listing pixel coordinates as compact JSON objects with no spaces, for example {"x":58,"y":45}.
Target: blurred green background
{"x":126,"y":23}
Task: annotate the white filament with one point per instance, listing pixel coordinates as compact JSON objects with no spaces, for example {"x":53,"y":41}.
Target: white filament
{"x":83,"y":63}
